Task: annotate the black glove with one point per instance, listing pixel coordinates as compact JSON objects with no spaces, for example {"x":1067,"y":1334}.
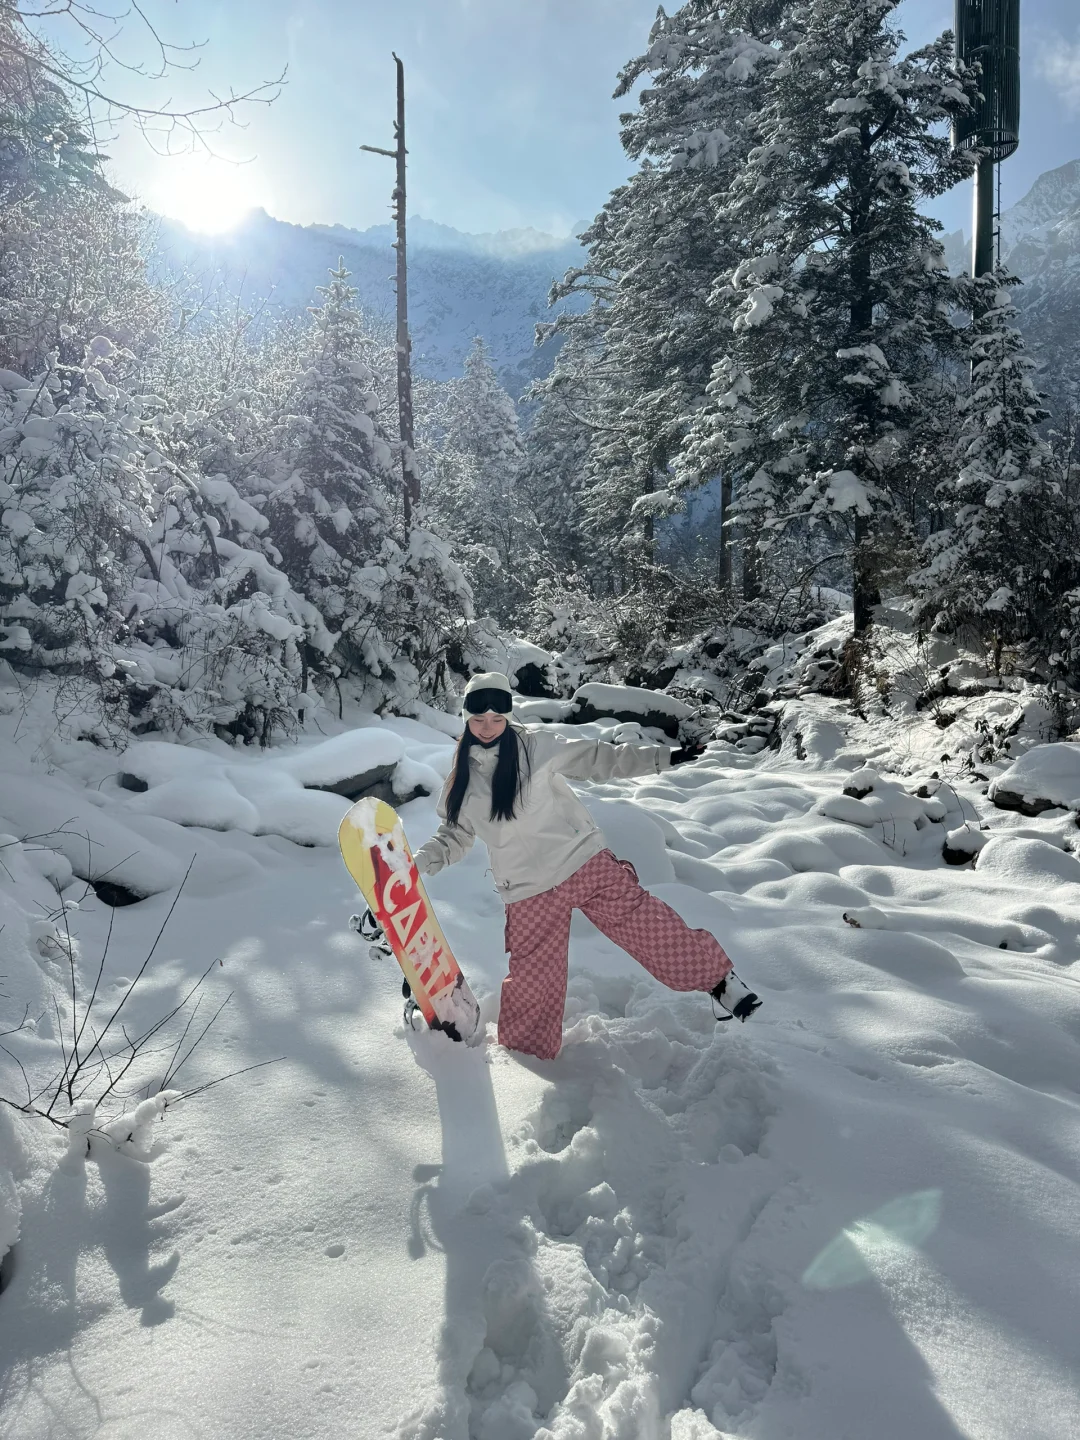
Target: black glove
{"x":690,"y":751}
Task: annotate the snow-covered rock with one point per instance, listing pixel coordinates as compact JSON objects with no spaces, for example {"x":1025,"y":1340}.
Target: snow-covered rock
{"x":651,"y":708}
{"x":963,"y":844}
{"x":1046,"y":777}
{"x":300,"y":794}
{"x":904,"y":822}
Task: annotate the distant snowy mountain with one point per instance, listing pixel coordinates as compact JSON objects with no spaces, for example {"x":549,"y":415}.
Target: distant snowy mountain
{"x":496,"y":285}
{"x":1032,"y":228}
{"x":1041,"y":243}
{"x":1034,"y":223}
{"x":430,"y":235}
{"x":460,"y":285}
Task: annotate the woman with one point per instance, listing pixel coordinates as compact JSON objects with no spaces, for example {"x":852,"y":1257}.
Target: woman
{"x":509,"y":787}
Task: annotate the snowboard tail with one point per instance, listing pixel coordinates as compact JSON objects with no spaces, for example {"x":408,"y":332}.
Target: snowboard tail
{"x":377,"y":856}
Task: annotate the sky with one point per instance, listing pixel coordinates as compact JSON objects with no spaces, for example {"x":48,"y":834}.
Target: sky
{"x":511,"y":121}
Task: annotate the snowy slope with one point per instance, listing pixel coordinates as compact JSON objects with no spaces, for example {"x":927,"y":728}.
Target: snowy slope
{"x":857,"y":1215}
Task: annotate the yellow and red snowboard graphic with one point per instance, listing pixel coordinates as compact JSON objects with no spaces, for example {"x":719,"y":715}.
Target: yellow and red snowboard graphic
{"x":377,"y":856}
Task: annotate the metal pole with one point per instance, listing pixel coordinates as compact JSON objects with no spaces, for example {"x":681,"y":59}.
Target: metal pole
{"x":982,"y":244}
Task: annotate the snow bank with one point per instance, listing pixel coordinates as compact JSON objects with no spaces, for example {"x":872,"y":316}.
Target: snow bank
{"x":96,"y":846}
{"x":32,"y":951}
{"x":10,"y":1209}
{"x":614,"y":699}
{"x":1047,"y":776}
{"x":333,"y":760}
{"x":299,"y":793}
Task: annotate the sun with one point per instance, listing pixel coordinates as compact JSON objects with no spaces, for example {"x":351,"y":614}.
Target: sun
{"x":205,"y":193}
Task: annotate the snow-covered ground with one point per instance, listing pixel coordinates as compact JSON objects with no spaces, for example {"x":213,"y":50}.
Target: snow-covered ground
{"x":857,"y":1216}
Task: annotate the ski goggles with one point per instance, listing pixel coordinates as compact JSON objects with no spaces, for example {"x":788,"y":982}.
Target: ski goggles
{"x":486,"y":702}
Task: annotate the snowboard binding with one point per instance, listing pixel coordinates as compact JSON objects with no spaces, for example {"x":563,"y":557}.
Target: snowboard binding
{"x":368,"y":928}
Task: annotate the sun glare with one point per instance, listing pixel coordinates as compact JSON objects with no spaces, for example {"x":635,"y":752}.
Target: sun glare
{"x":205,"y":194}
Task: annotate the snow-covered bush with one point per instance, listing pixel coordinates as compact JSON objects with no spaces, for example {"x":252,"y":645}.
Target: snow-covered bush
{"x":74,"y":1058}
{"x":199,"y":524}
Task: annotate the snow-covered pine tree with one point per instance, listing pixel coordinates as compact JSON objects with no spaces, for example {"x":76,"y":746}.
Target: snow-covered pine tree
{"x":557,"y":442}
{"x":381,"y":606}
{"x":835,"y":376}
{"x":323,"y":484}
{"x":639,"y":359}
{"x":998,"y":567}
{"x":116,"y":580}
{"x":474,"y":492}
{"x":45,"y":148}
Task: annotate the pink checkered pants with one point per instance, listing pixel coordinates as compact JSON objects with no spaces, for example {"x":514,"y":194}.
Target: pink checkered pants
{"x":538,"y":938}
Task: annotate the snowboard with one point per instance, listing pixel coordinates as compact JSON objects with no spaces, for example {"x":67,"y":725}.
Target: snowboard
{"x":377,"y":856}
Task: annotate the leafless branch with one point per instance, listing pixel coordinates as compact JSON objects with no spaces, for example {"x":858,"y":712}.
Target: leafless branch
{"x":175,"y":1070}
{"x":97,"y":32}
{"x":70,"y":1073}
{"x":32,"y":1110}
{"x":189,"y":1094}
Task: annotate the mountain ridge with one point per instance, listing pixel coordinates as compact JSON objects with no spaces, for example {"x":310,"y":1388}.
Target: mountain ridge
{"x":460,"y":285}
{"x":433,"y":235}
{"x":496,"y":284}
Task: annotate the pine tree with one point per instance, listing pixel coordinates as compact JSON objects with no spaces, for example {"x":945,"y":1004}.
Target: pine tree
{"x":45,"y":148}
{"x":475,"y":493}
{"x":835,"y":377}
{"x":1000,"y":564}
{"x":641,"y":355}
{"x":324,"y":481}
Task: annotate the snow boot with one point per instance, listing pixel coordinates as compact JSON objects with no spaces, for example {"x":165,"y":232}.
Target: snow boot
{"x":733,"y":996}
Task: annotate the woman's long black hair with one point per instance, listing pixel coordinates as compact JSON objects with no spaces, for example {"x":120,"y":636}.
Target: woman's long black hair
{"x":507,"y":781}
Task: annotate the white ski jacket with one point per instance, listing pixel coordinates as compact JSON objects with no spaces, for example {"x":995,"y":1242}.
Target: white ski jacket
{"x":552,"y":834}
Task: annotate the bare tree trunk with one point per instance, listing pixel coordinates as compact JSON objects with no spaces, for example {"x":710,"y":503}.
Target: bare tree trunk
{"x":648,"y":535}
{"x":723,"y":564}
{"x":865,"y":592}
{"x":409,"y":475}
{"x":751,"y":575}
{"x":864,"y":589}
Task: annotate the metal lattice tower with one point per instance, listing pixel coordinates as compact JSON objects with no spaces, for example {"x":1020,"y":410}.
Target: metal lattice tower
{"x":988,"y":34}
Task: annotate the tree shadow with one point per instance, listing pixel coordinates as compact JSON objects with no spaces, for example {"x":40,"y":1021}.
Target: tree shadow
{"x":43,"y":1311}
{"x":126,"y":1234}
{"x":40,"y":1313}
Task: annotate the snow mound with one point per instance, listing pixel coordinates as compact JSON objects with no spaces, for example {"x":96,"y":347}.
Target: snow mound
{"x":1047,"y":776}
{"x":626,"y":702}
{"x":904,"y":822}
{"x":843,"y":1209}
{"x":299,"y":794}
{"x":1026,"y":863}
{"x":60,"y":817}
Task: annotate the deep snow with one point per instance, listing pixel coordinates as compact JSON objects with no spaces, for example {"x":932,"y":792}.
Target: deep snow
{"x":856,"y":1216}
